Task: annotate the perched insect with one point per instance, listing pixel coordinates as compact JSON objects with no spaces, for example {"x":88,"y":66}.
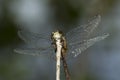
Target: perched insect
{"x":69,"y":45}
{"x":74,"y":42}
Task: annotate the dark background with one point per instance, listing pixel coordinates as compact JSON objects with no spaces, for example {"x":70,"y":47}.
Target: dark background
{"x":99,"y":62}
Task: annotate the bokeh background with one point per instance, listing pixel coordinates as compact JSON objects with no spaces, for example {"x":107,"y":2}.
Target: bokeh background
{"x":99,"y":62}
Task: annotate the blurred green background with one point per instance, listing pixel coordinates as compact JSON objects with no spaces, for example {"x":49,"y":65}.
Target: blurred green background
{"x":100,"y":62}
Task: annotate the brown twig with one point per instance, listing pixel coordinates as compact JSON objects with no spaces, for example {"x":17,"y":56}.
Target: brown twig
{"x":66,"y":70}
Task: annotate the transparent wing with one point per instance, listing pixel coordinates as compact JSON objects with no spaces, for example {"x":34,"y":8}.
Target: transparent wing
{"x":35,"y":52}
{"x":77,"y":48}
{"x":82,"y":32}
{"x":37,"y":44}
{"x":34,"y":38}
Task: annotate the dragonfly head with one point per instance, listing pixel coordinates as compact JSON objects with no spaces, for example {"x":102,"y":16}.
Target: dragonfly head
{"x":57,"y":35}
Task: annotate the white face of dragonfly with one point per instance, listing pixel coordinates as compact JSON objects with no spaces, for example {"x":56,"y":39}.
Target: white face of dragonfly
{"x":57,"y":35}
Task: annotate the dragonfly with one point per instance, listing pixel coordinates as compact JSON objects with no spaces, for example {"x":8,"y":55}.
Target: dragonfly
{"x":76,"y":40}
{"x":72,"y":43}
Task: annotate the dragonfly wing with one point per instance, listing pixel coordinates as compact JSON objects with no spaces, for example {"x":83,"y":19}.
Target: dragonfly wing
{"x":78,"y":47}
{"x":37,"y":44}
{"x":83,"y":31}
{"x":34,"y":38}
{"x":35,"y":52}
